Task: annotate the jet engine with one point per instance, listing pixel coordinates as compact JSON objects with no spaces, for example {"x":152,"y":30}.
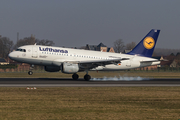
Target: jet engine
{"x":70,"y":68}
{"x":51,"y":68}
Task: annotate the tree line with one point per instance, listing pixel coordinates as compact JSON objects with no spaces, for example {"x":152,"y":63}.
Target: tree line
{"x":7,"y":45}
{"x":119,"y":46}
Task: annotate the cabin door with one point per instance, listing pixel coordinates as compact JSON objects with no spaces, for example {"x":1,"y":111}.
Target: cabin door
{"x":35,"y":52}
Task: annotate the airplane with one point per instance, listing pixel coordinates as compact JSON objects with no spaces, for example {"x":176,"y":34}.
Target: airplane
{"x":72,"y":61}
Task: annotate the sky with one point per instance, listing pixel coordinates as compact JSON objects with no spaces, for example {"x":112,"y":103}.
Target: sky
{"x":75,"y":23}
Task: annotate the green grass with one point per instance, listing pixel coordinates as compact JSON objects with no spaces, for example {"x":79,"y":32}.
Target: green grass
{"x":90,"y":103}
{"x":94,"y":74}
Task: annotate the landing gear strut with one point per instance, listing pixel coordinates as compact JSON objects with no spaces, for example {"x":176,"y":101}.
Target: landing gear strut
{"x":75,"y":76}
{"x":87,"y":77}
{"x":30,"y":69}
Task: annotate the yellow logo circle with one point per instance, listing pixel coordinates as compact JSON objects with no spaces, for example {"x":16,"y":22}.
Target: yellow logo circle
{"x":148,"y":42}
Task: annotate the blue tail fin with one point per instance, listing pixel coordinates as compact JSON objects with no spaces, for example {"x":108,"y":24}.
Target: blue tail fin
{"x":146,"y":46}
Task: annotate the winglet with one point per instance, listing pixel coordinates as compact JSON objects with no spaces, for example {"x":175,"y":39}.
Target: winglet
{"x":146,"y":46}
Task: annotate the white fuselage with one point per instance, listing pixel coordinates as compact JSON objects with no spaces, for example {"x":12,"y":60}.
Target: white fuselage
{"x":55,"y":56}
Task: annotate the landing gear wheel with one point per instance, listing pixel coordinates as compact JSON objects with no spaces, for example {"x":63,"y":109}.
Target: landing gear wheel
{"x":30,"y":69}
{"x":30,"y":72}
{"x":75,"y":76}
{"x":87,"y":77}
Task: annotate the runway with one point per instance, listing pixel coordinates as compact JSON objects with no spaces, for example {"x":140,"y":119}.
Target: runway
{"x":66,"y":82}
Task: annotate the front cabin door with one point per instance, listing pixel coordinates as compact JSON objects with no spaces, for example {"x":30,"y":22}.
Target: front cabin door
{"x":35,"y":52}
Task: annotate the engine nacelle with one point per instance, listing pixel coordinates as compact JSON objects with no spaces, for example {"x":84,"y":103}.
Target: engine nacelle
{"x":51,"y":68}
{"x":70,"y":68}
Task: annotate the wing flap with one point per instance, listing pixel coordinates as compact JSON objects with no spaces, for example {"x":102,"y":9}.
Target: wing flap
{"x":110,"y":61}
{"x":95,"y":63}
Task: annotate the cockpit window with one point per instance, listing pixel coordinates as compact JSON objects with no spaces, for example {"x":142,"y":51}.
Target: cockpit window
{"x":22,"y":50}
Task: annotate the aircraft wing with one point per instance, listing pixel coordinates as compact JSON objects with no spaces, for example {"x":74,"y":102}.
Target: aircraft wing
{"x":89,"y":64}
{"x":95,"y":63}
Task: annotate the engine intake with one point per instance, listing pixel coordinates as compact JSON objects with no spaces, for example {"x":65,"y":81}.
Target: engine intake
{"x":70,"y":68}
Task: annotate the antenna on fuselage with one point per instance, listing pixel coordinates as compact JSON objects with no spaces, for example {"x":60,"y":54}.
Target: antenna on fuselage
{"x":34,"y":43}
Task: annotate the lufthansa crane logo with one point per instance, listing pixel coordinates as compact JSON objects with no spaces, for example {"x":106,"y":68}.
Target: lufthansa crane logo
{"x":148,"y":42}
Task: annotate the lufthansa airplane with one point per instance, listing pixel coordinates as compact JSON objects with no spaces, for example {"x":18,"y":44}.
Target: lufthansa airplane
{"x":71,"y":61}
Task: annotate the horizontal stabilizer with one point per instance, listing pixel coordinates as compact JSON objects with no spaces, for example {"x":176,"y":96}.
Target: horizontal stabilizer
{"x":149,"y":61}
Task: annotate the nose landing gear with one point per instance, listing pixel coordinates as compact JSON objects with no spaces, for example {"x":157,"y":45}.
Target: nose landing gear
{"x":30,"y":69}
{"x":30,"y":72}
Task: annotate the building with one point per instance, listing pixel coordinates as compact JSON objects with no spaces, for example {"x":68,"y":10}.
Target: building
{"x":100,"y":47}
{"x":170,"y":61}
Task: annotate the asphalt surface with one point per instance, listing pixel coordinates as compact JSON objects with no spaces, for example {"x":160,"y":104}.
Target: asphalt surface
{"x":66,"y":82}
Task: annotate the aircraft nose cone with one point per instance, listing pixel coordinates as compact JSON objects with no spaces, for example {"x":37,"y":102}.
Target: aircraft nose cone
{"x":11,"y":55}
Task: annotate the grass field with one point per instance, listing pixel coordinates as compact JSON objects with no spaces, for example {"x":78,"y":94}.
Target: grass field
{"x":94,"y":74}
{"x":90,"y":103}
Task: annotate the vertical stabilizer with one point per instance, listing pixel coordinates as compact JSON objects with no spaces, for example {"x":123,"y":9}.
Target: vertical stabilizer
{"x":146,"y":46}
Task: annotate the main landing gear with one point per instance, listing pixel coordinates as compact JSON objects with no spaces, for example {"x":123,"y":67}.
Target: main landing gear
{"x":30,"y":69}
{"x":75,"y":76}
{"x":87,"y":77}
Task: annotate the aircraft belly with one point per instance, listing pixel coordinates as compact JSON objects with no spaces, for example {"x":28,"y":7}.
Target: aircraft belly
{"x":57,"y":63}
{"x":34,"y":61}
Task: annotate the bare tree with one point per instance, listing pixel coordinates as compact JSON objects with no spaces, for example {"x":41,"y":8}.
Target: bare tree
{"x":5,"y":46}
{"x":118,"y":46}
{"x":130,"y":46}
{"x":25,"y":41}
{"x":31,"y":41}
{"x":44,"y":42}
